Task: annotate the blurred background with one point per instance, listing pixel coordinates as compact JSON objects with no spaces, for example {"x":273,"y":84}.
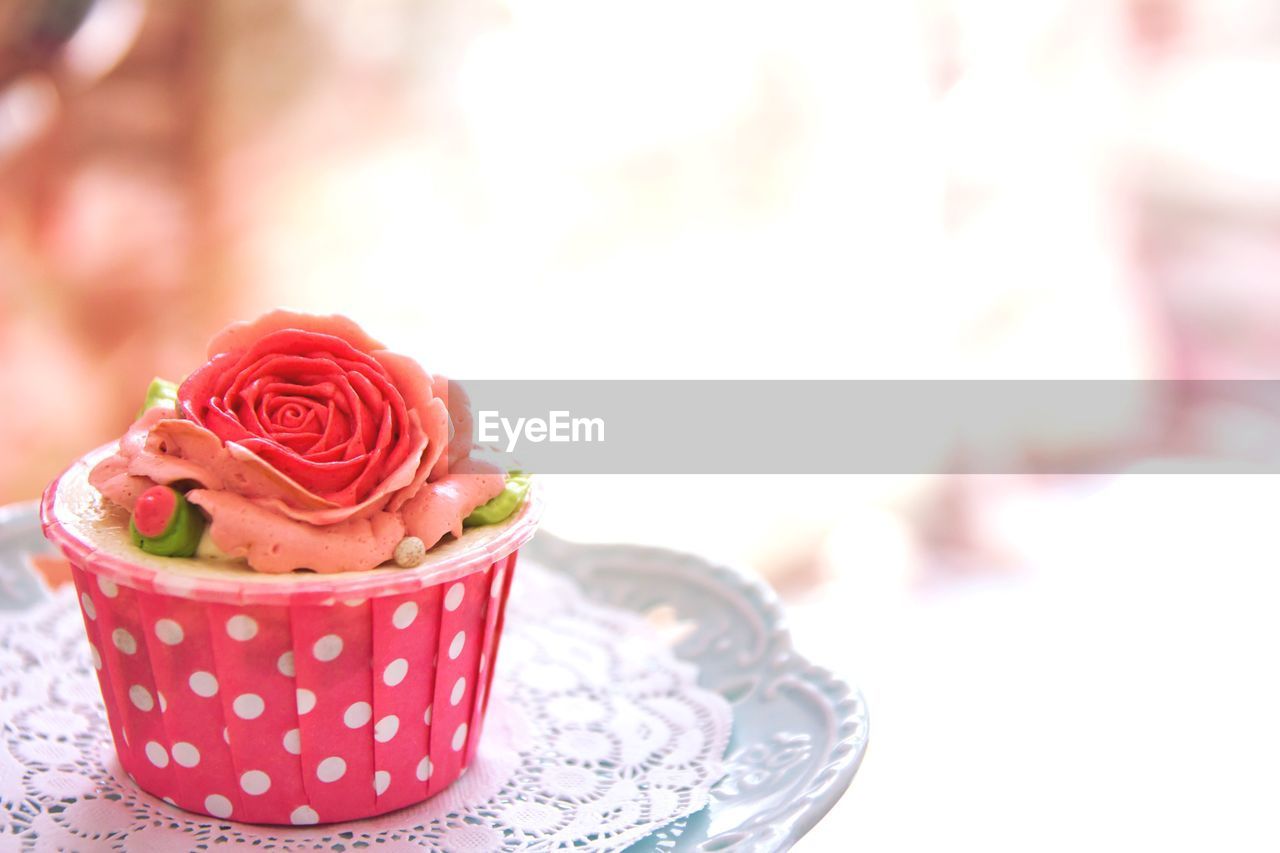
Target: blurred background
{"x":573,"y":189}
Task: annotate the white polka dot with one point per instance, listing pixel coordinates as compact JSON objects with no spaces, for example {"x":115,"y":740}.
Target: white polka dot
{"x":303,"y":816}
{"x":141,"y":698}
{"x":285,"y":665}
{"x":248,"y":706}
{"x":125,"y":736}
{"x":87,"y":604}
{"x":293,"y":741}
{"x":156,"y":754}
{"x":386,"y":728}
{"x":124,"y":641}
{"x":108,"y":587}
{"x":186,"y":754}
{"x":353,"y":602}
{"x":203,"y":683}
{"x":405,"y":614}
{"x":426,"y":716}
{"x":453,"y":598}
{"x":306,"y":700}
{"x":169,"y":632}
{"x":455,"y":648}
{"x":424,"y":769}
{"x":97,"y":658}
{"x":381,"y":781}
{"x":242,"y":627}
{"x":327,"y":647}
{"x":331,"y":769}
{"x":395,"y":672}
{"x":254,"y":782}
{"x":495,"y":589}
{"x":459,"y":737}
{"x":357,"y":715}
{"x":164,"y":706}
{"x":226,"y":736}
{"x":217,"y":805}
{"x":459,"y":688}
{"x":483,"y":662}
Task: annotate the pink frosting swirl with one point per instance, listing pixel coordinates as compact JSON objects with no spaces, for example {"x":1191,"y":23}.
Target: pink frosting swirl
{"x":308,"y":445}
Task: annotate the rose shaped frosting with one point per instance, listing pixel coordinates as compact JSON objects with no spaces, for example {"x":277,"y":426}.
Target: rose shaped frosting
{"x":309,"y":445}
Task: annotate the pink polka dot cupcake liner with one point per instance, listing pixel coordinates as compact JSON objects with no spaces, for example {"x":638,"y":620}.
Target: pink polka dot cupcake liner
{"x":309,"y":700}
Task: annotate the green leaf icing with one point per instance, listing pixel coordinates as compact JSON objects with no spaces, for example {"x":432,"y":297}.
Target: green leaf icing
{"x":161,"y":392}
{"x":502,"y":506}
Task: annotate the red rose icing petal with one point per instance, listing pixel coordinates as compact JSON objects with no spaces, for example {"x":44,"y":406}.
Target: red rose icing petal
{"x":310,"y":446}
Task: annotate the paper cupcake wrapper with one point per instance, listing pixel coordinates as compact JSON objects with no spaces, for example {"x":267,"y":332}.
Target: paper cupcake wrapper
{"x":291,"y":703}
{"x":296,"y":714}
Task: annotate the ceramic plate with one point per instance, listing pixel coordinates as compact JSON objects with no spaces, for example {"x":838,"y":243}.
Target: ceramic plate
{"x":799,"y":732}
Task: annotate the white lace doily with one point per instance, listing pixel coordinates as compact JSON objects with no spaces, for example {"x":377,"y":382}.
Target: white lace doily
{"x":596,"y":737}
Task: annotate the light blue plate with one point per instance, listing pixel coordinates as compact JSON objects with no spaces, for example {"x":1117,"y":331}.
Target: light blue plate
{"x":799,"y":732}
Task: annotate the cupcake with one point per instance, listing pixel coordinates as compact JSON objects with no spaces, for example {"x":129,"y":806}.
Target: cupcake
{"x":293,"y":574}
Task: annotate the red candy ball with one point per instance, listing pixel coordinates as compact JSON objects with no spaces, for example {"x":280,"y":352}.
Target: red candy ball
{"x":153,"y":510}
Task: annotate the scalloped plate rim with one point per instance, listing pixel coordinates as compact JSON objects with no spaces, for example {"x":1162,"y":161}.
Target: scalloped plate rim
{"x":822,"y":797}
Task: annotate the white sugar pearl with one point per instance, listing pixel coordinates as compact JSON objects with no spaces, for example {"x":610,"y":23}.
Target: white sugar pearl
{"x":386,"y":728}
{"x":156,"y":754}
{"x":395,"y":672}
{"x":141,"y":698}
{"x":255,"y":782}
{"x":242,"y":627}
{"x":169,"y":632}
{"x":327,"y":647}
{"x":405,"y":614}
{"x":248,"y":706}
{"x":203,"y":683}
{"x":186,"y":754}
{"x":303,"y":816}
{"x":331,"y":769}
{"x":357,"y":715}
{"x":410,"y":552}
{"x":217,"y":805}
{"x":453,"y":598}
